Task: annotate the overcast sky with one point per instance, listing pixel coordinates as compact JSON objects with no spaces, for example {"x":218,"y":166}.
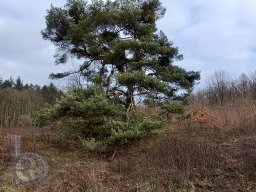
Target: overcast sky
{"x":212,"y":35}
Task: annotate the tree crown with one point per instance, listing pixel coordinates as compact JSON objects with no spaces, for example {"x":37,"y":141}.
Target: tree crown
{"x":119,"y":46}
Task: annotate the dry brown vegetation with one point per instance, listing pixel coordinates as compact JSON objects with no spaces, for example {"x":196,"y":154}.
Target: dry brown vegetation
{"x":17,"y":107}
{"x":215,"y":150}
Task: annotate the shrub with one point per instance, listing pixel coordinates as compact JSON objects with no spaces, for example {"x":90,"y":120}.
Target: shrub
{"x":171,"y":108}
{"x":90,"y":116}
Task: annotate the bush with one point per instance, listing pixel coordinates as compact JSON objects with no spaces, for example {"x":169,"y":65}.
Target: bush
{"x":171,"y":108}
{"x":90,"y":116}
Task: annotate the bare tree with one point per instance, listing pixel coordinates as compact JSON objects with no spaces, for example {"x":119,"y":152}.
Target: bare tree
{"x":217,"y":86}
{"x":243,"y":85}
{"x":252,"y":84}
{"x":74,"y":81}
{"x":221,"y":90}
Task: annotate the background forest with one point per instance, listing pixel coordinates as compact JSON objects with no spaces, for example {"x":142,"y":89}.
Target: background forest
{"x":18,"y":101}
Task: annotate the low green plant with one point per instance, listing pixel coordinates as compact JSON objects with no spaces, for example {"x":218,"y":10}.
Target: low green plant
{"x":99,"y":124}
{"x":173,"y":108}
{"x":183,"y":116}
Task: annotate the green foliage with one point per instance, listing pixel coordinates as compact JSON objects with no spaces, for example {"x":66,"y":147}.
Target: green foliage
{"x":173,"y":108}
{"x":123,"y":56}
{"x":9,"y":83}
{"x":140,"y":79}
{"x":50,"y":93}
{"x":19,"y":84}
{"x":120,"y":48}
{"x":90,"y":116}
{"x":183,"y":116}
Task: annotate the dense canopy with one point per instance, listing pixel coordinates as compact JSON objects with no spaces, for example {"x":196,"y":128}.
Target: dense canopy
{"x":119,"y":47}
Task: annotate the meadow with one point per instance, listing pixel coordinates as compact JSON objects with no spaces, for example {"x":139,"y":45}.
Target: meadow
{"x":213,"y":150}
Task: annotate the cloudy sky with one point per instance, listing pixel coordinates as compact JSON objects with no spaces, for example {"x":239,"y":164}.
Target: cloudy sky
{"x":212,"y":35}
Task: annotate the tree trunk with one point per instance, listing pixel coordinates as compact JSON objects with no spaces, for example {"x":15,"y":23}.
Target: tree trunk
{"x":129,"y":96}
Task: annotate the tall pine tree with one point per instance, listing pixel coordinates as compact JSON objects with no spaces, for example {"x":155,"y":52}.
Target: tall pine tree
{"x":120,"y":49}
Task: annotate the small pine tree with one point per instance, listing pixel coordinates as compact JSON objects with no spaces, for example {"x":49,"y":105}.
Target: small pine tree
{"x":9,"y":83}
{"x":18,"y":84}
{"x":50,"y":93}
{"x":90,"y":116}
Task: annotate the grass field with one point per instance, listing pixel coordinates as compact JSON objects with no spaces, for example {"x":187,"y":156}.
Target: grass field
{"x":200,"y":154}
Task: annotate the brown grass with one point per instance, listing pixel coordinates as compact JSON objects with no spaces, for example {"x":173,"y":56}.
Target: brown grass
{"x":215,"y":150}
{"x":30,"y":137}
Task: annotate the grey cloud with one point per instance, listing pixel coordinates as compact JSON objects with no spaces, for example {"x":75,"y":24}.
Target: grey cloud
{"x":212,"y":35}
{"x":23,"y":52}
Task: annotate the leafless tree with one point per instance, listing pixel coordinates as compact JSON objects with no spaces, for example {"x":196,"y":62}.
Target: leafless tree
{"x":217,"y":86}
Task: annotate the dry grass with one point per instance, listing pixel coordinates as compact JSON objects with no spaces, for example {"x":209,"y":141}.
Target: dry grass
{"x":31,"y":137}
{"x":215,"y":150}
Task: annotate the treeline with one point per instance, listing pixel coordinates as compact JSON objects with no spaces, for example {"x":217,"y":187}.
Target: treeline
{"x":19,"y":101}
{"x":221,"y":90}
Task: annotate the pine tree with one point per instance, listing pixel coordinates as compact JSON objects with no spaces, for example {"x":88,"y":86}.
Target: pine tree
{"x":50,"y":93}
{"x":18,"y":84}
{"x":1,"y":82}
{"x":9,"y":83}
{"x":120,"y":48}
